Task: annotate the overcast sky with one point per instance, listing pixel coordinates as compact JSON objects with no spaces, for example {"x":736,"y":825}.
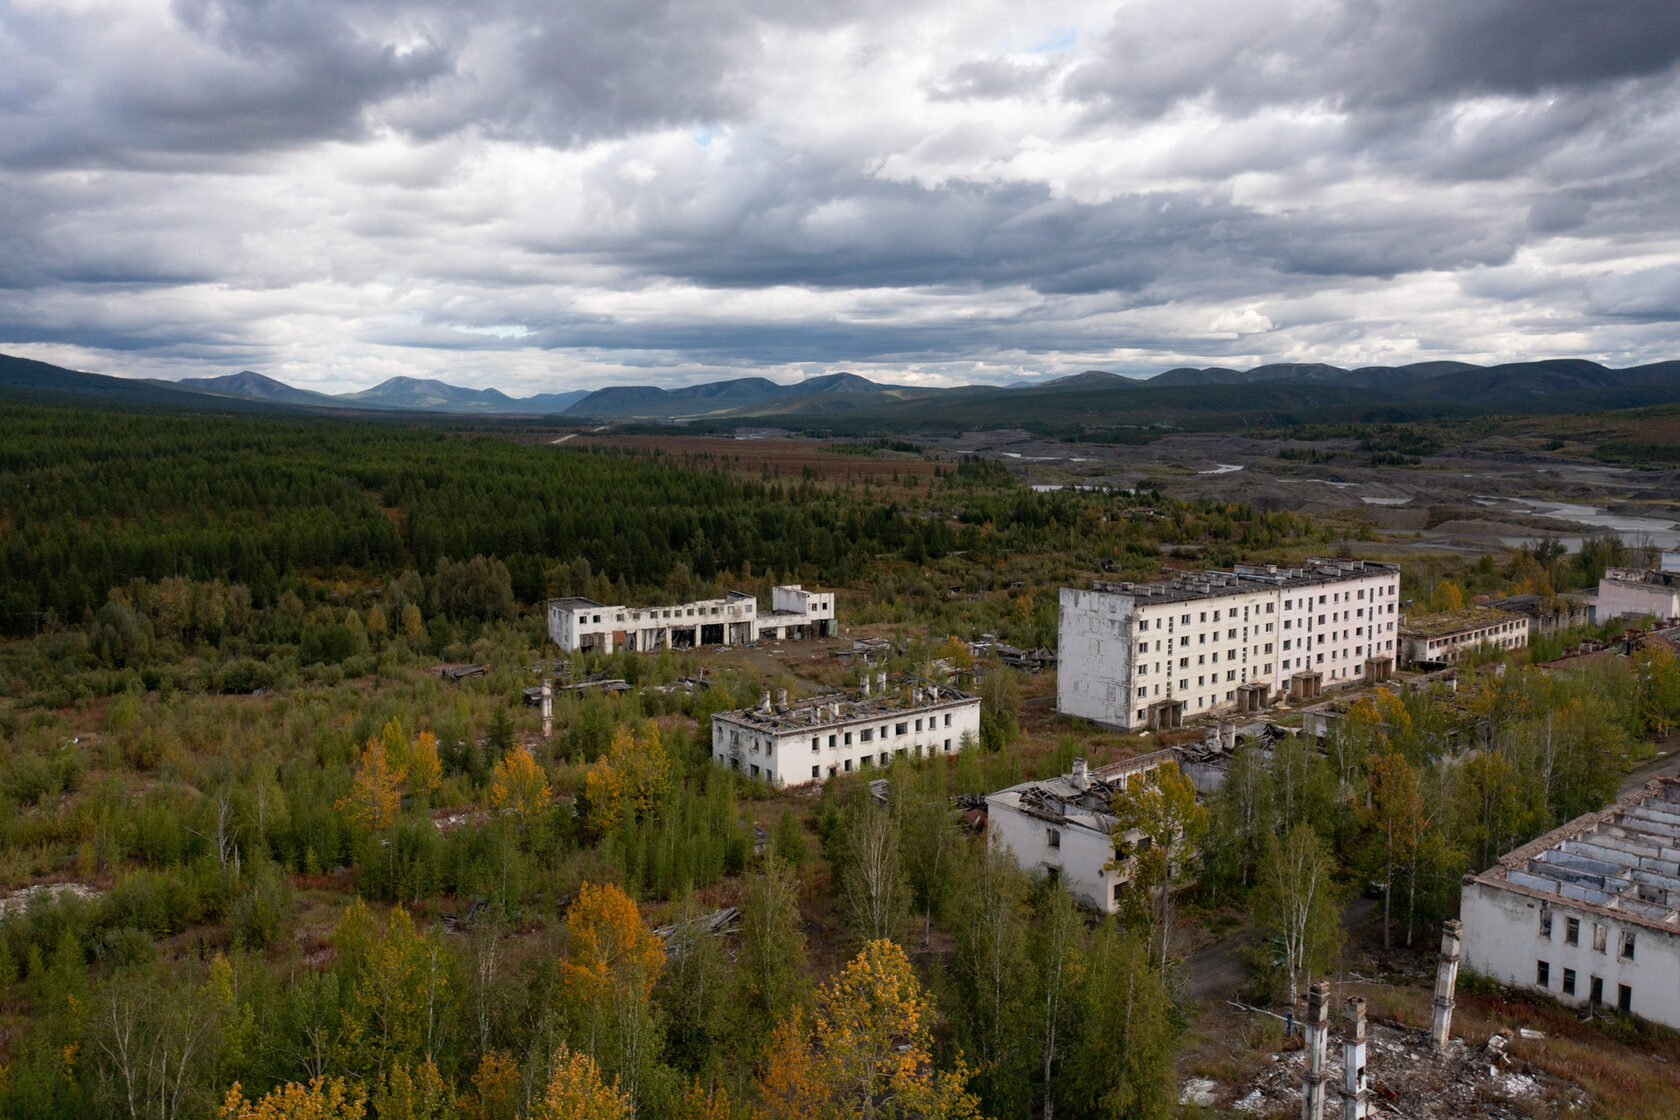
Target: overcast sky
{"x":550,"y":194}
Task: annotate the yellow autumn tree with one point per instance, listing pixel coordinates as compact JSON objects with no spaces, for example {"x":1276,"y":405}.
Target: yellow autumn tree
{"x":869,"y":1052}
{"x":412,"y":628}
{"x":375,"y":791}
{"x":633,"y":778}
{"x":1375,"y":724}
{"x":414,"y":1093}
{"x":606,"y":981}
{"x":400,"y":1003}
{"x":395,"y":741}
{"x":496,"y":1089}
{"x":1448,"y":596}
{"x":425,"y":771}
{"x":704,"y":1104}
{"x":519,"y":786}
{"x":325,"y":1098}
{"x":576,"y":1091}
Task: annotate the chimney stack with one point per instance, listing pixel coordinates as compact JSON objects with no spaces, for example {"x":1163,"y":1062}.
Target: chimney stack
{"x":547,"y":708}
{"x":866,"y":684}
{"x":764,"y":701}
{"x":781,"y":697}
{"x":881,"y":682}
{"x":1081,"y":776}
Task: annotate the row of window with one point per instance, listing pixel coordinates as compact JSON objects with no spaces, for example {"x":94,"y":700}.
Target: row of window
{"x":1336,"y":596}
{"x":1572,"y":934}
{"x":1595,"y":991}
{"x":1184,"y":620}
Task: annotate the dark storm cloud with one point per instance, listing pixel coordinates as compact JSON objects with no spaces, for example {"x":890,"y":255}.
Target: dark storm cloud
{"x":1370,"y":54}
{"x":752,"y":182}
{"x":217,"y":77}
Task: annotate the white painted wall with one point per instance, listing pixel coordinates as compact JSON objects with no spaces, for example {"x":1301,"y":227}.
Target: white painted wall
{"x":797,"y":756}
{"x":1119,"y":654}
{"x":1502,"y":940}
{"x":1618,"y":597}
{"x":1080,"y":860}
{"x":1094,"y":656}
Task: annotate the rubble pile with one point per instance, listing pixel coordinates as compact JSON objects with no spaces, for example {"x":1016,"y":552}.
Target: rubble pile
{"x":1406,"y":1079}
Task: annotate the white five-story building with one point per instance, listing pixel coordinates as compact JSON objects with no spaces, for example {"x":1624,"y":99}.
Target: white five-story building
{"x":1152,"y":654}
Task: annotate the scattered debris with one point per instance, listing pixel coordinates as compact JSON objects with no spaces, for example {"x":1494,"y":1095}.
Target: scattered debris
{"x":20,"y":900}
{"x":459,"y":923}
{"x":720,"y":922}
{"x":458,"y":673}
{"x":1199,"y":1091}
{"x":1405,"y":1079}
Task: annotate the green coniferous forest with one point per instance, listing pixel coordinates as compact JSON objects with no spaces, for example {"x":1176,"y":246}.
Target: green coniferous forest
{"x":259,"y":858}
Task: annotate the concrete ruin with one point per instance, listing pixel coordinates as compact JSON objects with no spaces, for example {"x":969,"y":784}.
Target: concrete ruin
{"x":1317,"y":1028}
{"x":1446,"y":982}
{"x":1063,"y":827}
{"x":1588,"y":914}
{"x":812,"y":740}
{"x":577,"y":623}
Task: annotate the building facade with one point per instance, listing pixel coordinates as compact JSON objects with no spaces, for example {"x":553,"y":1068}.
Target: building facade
{"x":1443,"y":638}
{"x":1152,"y":654}
{"x":1634,"y":592}
{"x":817,"y":739}
{"x":734,"y":620}
{"x":1590,"y":912}
{"x":1064,"y":827}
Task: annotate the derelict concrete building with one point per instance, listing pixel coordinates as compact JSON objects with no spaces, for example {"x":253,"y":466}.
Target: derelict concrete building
{"x":583,"y":624}
{"x":1150,"y":655}
{"x":1063,"y":827}
{"x":816,"y":739}
{"x":1589,"y":912}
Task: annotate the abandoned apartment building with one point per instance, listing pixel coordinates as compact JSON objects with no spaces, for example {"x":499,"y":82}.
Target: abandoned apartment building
{"x":1589,"y":913}
{"x":1435,"y":640}
{"x":1063,"y":827}
{"x":815,"y":739}
{"x":1637,"y":592}
{"x":1149,"y":655}
{"x":734,"y":620}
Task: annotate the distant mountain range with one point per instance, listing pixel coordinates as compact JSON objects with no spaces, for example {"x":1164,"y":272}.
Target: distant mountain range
{"x":1094,"y":399}
{"x":409,"y":393}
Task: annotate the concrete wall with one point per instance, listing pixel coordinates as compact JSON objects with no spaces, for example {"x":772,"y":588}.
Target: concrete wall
{"x":1502,"y":940}
{"x":786,"y":756}
{"x":1618,"y":597}
{"x":1094,"y":657}
{"x":1079,"y":860}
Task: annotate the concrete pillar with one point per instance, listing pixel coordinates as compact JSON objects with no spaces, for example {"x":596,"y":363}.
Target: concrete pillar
{"x":1356,"y":1102}
{"x":547,"y":708}
{"x":1228,"y":736}
{"x":1446,"y":979}
{"x":866,"y":683}
{"x":1317,"y":1031}
{"x":881,"y":682}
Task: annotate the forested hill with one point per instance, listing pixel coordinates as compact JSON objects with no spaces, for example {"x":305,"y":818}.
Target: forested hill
{"x":1086,"y":404}
{"x":95,"y":499}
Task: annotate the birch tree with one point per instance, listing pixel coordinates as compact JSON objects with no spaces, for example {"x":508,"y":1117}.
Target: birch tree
{"x":873,"y":893}
{"x":1298,"y":909}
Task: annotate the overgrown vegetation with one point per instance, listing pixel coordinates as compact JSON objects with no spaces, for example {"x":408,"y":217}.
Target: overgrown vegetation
{"x":276,"y":862}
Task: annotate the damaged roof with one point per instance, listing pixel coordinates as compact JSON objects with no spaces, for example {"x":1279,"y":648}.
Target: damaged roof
{"x":1624,"y":859}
